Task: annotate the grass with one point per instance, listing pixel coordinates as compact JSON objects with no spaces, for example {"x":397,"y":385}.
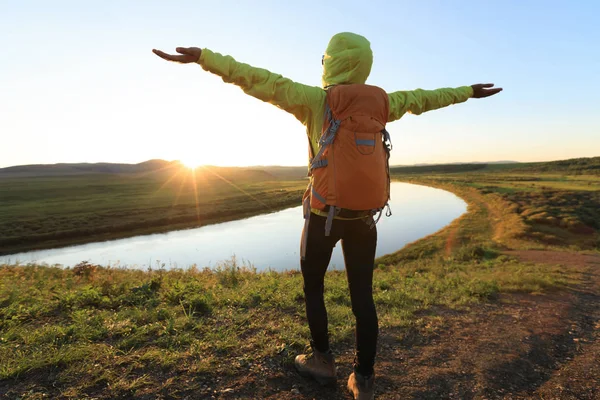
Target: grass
{"x":99,"y":330}
{"x":117,"y":333}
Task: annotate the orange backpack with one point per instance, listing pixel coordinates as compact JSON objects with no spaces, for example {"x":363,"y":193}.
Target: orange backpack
{"x":351,"y":169}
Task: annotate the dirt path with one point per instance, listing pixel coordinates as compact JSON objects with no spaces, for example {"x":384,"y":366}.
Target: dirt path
{"x":521,"y":346}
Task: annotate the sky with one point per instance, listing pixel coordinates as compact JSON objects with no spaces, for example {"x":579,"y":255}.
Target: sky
{"x":78,"y":81}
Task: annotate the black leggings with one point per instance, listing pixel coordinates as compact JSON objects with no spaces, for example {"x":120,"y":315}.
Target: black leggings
{"x":359,"y":241}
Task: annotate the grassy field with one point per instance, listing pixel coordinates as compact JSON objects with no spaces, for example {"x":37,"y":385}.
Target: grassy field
{"x":526,"y":211}
{"x":115,"y":333}
{"x":107,"y":333}
{"x":44,"y":212}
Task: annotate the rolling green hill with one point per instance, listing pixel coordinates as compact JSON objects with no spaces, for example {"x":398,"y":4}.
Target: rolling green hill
{"x":575,"y":166}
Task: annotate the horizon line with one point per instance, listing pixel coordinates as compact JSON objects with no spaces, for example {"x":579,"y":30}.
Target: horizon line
{"x":283,"y":166}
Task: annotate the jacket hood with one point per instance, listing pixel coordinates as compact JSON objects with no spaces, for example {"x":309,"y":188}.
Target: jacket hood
{"x":348,"y":59}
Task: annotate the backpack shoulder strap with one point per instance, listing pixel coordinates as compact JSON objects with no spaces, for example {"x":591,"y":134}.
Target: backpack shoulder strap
{"x":327,"y":138}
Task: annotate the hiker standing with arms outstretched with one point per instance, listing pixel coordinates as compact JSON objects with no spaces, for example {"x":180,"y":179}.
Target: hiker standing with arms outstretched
{"x":349,"y":186}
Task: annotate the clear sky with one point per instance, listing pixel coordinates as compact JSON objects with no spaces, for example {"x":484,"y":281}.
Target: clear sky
{"x":78,"y":81}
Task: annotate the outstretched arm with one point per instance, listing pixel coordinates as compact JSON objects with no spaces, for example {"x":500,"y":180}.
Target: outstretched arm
{"x":419,"y":101}
{"x":286,"y":94}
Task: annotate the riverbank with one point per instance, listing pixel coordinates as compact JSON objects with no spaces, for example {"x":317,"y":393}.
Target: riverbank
{"x":266,"y":241}
{"x":57,"y":211}
{"x":475,"y":310}
{"x":48,"y":212}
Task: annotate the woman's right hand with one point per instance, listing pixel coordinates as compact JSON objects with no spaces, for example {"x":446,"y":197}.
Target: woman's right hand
{"x":186,"y":55}
{"x":481,"y":90}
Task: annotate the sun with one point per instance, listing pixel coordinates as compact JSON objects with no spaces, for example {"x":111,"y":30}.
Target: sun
{"x":190,"y":163}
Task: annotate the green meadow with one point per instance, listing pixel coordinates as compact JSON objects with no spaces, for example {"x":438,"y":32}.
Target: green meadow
{"x":45,"y":212}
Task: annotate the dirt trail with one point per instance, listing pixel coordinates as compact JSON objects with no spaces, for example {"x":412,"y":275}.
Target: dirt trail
{"x":519,"y":347}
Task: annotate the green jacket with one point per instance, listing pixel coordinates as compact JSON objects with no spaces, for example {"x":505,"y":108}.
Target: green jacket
{"x":348,"y":59}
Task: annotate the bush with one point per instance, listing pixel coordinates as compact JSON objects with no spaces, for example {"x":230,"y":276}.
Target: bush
{"x":474,"y":253}
{"x":84,"y":269}
{"x":197,"y":305}
{"x":145,"y":294}
{"x":230,"y":273}
{"x":483,"y":289}
{"x":193,"y":298}
{"x":87,"y":297}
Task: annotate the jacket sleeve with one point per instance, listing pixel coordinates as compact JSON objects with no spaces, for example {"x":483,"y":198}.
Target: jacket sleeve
{"x":295,"y":98}
{"x":419,"y":101}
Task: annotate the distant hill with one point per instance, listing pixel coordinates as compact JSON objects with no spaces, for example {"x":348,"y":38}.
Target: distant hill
{"x":151,"y":168}
{"x":590,"y":166}
{"x":460,"y":163}
{"x":574,"y":166}
{"x":86,"y":168}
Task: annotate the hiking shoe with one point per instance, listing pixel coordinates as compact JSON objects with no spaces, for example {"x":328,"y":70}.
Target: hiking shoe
{"x":362,"y":388}
{"x":317,"y":365}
